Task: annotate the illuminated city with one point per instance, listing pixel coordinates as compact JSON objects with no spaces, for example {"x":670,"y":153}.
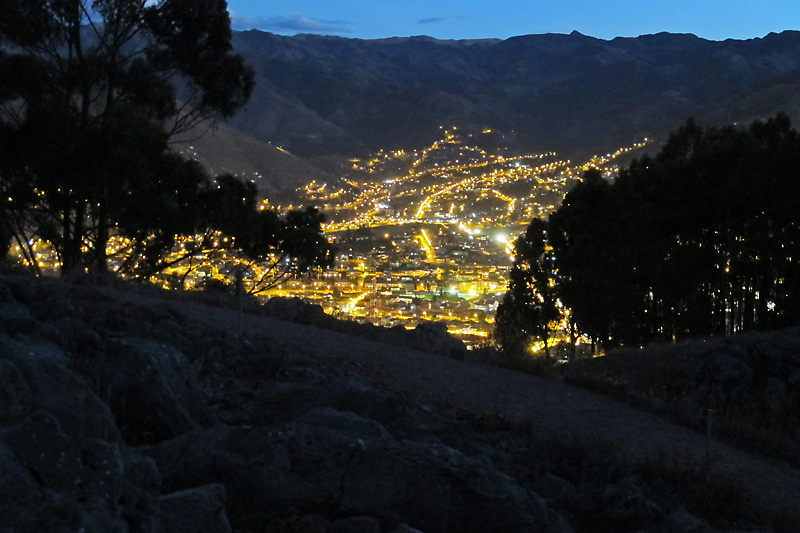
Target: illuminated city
{"x":421,"y":235}
{"x":427,"y":234}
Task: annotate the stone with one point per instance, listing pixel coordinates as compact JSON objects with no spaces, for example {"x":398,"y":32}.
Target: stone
{"x":681,"y":522}
{"x":72,"y":465}
{"x":54,"y":307}
{"x":15,"y":395}
{"x":295,"y":310}
{"x":341,"y":426}
{"x":722,"y":378}
{"x":794,"y":379}
{"x":252,"y":463}
{"x":69,"y":481}
{"x":349,"y":394}
{"x":10,"y":308}
{"x":57,"y":390}
{"x":77,"y":337}
{"x":355,"y":524}
{"x":197,"y":510}
{"x":150,"y":388}
{"x":327,"y":461}
{"x":140,"y":491}
{"x":15,"y":319}
{"x":26,"y":505}
{"x":613,"y":507}
{"x":404,"y":528}
{"x":433,"y":337}
{"x":369,"y":473}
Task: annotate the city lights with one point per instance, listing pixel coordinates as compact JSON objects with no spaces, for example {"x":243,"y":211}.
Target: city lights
{"x":421,"y":234}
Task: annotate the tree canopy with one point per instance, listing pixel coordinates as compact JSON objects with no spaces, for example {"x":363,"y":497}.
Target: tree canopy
{"x":530,"y":306}
{"x":90,"y":94}
{"x":701,"y":239}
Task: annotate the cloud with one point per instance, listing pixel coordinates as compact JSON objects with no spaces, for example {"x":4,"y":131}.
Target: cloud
{"x":298,"y":23}
{"x":438,"y":20}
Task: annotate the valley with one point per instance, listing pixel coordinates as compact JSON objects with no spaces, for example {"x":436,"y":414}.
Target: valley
{"x":427,"y":234}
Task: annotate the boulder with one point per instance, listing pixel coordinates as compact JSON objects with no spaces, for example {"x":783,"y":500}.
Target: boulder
{"x":721,"y":379}
{"x":428,"y":484}
{"x":613,"y":507}
{"x":26,"y":505}
{"x":15,"y":319}
{"x":295,"y":310}
{"x":332,"y":463}
{"x":54,"y":388}
{"x":433,"y":337}
{"x":150,"y":388}
{"x":52,"y":481}
{"x":680,"y":522}
{"x":429,"y":337}
{"x":10,"y":308}
{"x":54,"y":306}
{"x":355,"y":524}
{"x":77,"y":338}
{"x":140,"y":491}
{"x":290,"y":400}
{"x":74,"y":465}
{"x":15,"y":395}
{"x":350,"y":394}
{"x":197,"y":510}
{"x":251,"y":462}
{"x":405,"y":528}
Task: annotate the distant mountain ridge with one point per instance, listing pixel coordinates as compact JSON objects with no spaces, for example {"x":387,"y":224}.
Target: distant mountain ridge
{"x":322,"y":95}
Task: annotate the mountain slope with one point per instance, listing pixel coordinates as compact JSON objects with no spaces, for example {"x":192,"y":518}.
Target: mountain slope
{"x":322,"y":95}
{"x":275,"y":172}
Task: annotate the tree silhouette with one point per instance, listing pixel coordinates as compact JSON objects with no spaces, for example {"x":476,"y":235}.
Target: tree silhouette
{"x":220,"y":227}
{"x":592,"y":243}
{"x":90,"y":93}
{"x":701,"y":239}
{"x":529,"y":307}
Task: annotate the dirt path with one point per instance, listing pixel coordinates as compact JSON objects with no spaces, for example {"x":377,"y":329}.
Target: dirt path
{"x":554,"y":408}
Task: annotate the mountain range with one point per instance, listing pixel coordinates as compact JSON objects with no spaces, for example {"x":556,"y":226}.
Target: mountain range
{"x":322,"y":99}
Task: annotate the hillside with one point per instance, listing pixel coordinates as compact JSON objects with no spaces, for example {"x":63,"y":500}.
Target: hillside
{"x":322,"y":96}
{"x":128,"y":409}
{"x":275,"y":172}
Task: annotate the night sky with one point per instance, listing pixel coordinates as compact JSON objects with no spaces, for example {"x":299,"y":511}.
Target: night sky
{"x":476,"y":19}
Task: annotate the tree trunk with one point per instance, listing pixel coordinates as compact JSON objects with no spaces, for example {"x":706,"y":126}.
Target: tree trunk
{"x":72,"y":239}
{"x":100,"y":264}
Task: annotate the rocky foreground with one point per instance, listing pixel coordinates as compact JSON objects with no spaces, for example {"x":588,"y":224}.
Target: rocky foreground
{"x":124,"y":410}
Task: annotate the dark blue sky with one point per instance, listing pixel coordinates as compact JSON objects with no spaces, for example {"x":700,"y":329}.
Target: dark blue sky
{"x":474,"y":19}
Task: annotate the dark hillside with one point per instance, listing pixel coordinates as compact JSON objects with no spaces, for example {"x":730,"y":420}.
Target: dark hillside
{"x":127,"y":409}
{"x":319,"y":95}
{"x":750,"y":382}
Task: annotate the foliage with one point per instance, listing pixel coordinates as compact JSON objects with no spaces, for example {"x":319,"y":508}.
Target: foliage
{"x":529,"y":307}
{"x":89,"y":96}
{"x":702,"y":239}
{"x":229,"y":233}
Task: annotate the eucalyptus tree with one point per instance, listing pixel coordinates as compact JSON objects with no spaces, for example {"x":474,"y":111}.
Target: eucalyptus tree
{"x":530,"y":307}
{"x":91,"y":92}
{"x":700,"y":239}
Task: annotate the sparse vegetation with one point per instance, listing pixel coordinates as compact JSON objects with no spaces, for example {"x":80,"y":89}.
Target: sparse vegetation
{"x":681,"y":381}
{"x":719,"y":501}
{"x":258,"y":391}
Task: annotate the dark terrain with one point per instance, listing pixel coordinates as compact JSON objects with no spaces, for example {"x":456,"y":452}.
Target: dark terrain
{"x":129,"y":409}
{"x":326,"y":99}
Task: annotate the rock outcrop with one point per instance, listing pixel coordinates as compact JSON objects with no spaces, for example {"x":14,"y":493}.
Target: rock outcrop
{"x":118,"y":413}
{"x":429,"y":337}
